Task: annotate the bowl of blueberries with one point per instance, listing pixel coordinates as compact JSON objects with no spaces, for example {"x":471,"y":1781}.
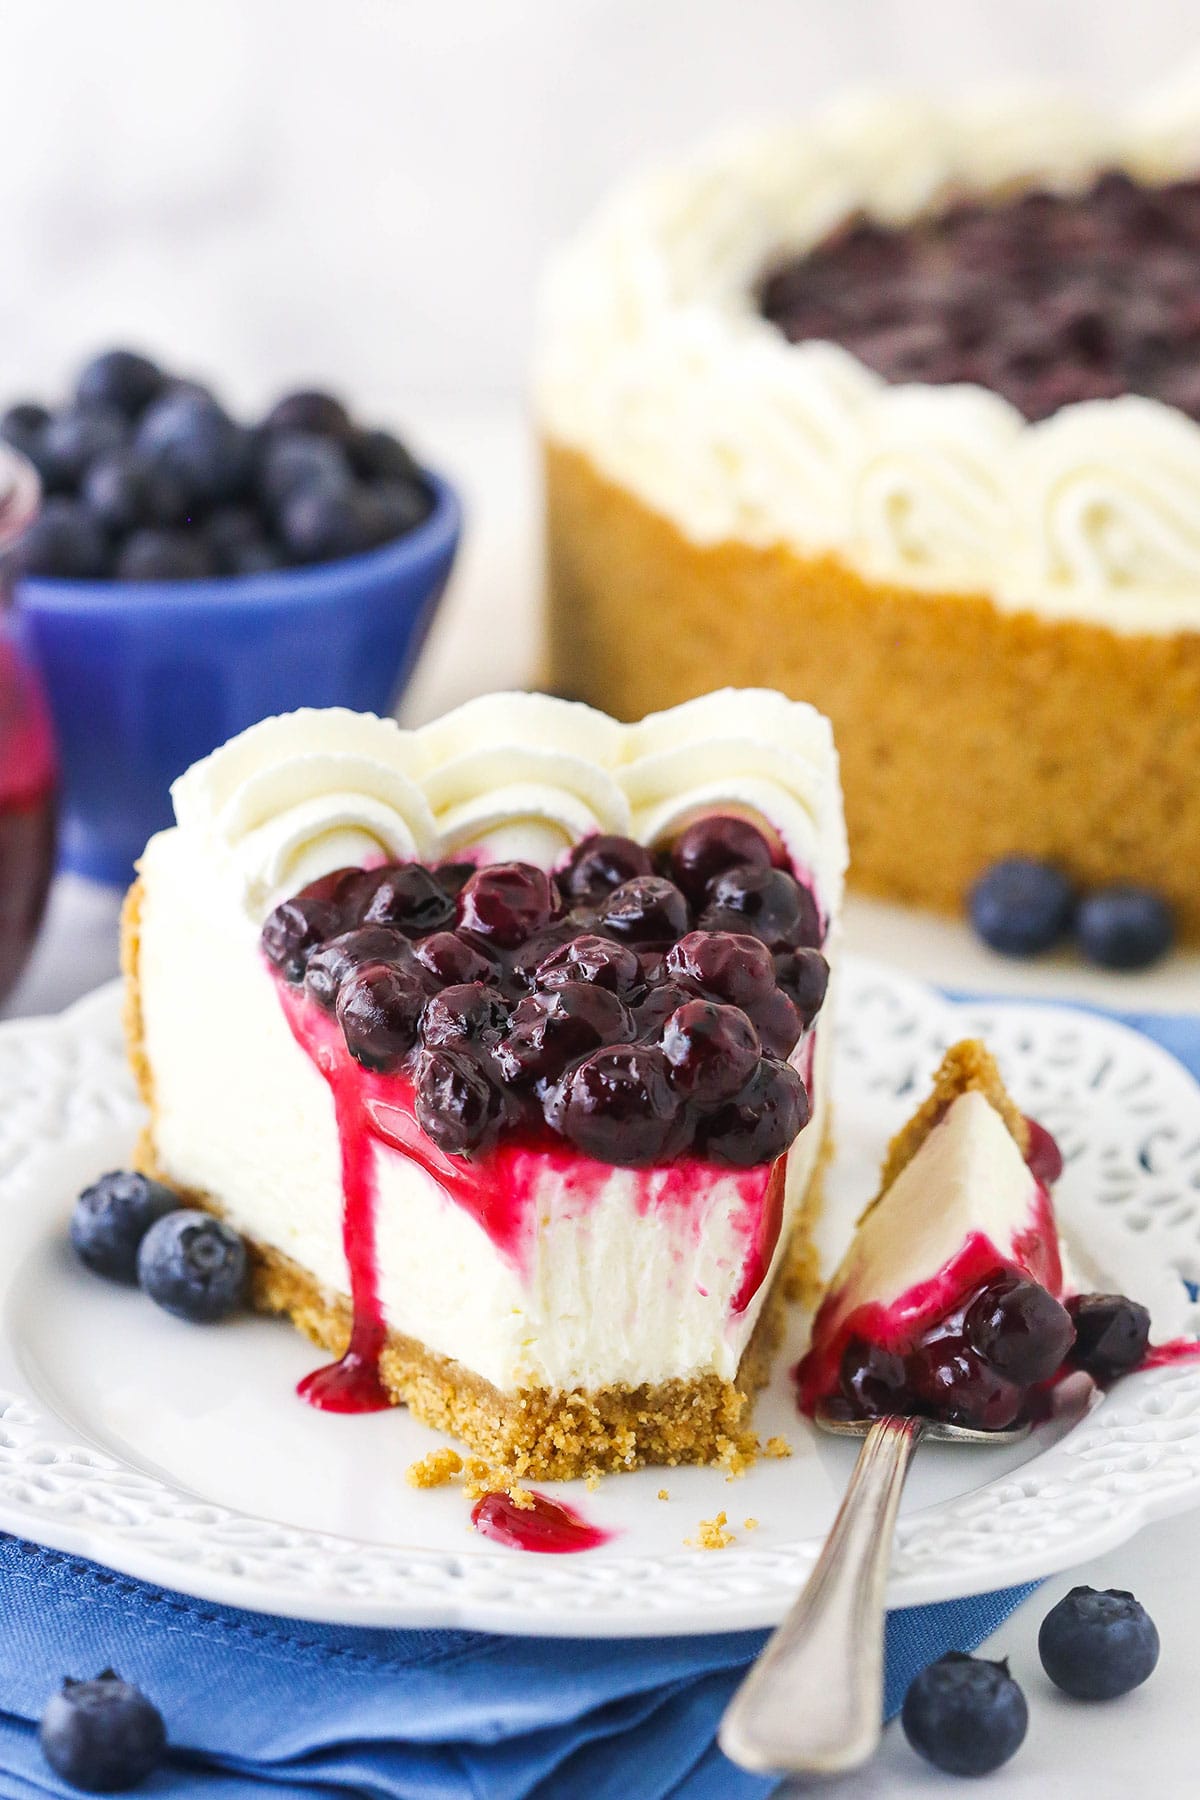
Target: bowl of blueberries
{"x":189,"y":574}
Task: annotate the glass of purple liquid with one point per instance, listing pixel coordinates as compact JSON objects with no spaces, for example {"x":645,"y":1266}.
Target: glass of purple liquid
{"x":27,"y":760}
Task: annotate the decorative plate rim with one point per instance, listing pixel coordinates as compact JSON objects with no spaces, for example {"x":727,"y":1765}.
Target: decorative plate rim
{"x":1132,"y":1459}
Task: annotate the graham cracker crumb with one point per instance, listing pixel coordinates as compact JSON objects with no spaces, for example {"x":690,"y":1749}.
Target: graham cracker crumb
{"x":749,"y":1524}
{"x":435,"y":1470}
{"x":663,"y":1494}
{"x":712,"y":1534}
{"x":591,"y":1480}
{"x":737,"y":1454}
{"x":777,"y":1447}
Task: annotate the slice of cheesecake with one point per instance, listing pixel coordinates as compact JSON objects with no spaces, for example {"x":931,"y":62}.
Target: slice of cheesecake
{"x":505,"y":1043}
{"x":949,"y":1300}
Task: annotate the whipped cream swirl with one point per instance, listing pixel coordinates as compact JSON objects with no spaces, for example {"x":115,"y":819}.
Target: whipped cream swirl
{"x":508,"y":775}
{"x":656,"y":365}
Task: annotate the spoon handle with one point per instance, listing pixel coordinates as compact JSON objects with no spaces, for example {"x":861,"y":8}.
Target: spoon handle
{"x":813,"y":1701}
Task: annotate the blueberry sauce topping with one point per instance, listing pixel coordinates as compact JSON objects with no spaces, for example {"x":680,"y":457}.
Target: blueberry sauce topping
{"x":1045,"y":298}
{"x":640,"y":1007}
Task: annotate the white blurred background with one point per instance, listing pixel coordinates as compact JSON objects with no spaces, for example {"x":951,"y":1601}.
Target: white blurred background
{"x":362,"y":190}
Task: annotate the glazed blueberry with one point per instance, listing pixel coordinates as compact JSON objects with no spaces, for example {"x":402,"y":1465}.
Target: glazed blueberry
{"x":64,"y":541}
{"x":964,"y":1715}
{"x":504,"y":905}
{"x":651,"y":1013}
{"x":119,"y":378}
{"x":378,"y":1008}
{"x":764,"y":1121}
{"x":768,"y":904}
{"x":1021,"y":906}
{"x":157,"y":554}
{"x":712,"y":845}
{"x":1124,"y":927}
{"x":556,"y":1026}
{"x":320,"y":524}
{"x":595,"y":959}
{"x":952,"y":1382}
{"x":451,"y":961}
{"x":74,"y":439}
{"x":295,"y":929}
{"x":873,"y":1381}
{"x":380,"y":456}
{"x":335,"y":959}
{"x":617,"y":1106}
{"x":111,"y":1218}
{"x":456,"y":1104}
{"x":711,"y":1051}
{"x":804,"y":977}
{"x":778,"y":1024}
{"x":646,"y":910}
{"x":407,"y":896}
{"x":1112,"y":1334}
{"x":124,"y":489}
{"x":466,"y":1013}
{"x":454,"y":876}
{"x":193,"y":1266}
{"x":103,"y":1736}
{"x":1098,"y":1644}
{"x":23,"y":426}
{"x":193,"y":439}
{"x":293,"y":462}
{"x":603,"y":863}
{"x":309,"y":410}
{"x":726,"y":965}
{"x":1020,"y":1329}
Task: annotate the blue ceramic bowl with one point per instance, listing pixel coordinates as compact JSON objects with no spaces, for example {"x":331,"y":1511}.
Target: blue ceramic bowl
{"x":144,"y":677}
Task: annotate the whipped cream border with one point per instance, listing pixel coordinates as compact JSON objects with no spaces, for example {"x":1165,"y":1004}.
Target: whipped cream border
{"x":506,"y":775}
{"x":655,"y":362}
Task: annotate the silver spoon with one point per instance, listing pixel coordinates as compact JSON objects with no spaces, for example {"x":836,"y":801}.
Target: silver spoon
{"x":813,"y":1701}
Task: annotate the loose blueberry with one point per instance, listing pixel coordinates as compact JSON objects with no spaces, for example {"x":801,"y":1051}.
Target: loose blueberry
{"x":338,"y":957}
{"x":556,"y":1026}
{"x":764,"y":1121}
{"x":198,"y":444}
{"x":1020,"y":1329}
{"x":119,"y":378}
{"x":111,"y":1218}
{"x":394,"y":508}
{"x":74,"y":439}
{"x":295,"y":462}
{"x":64,"y":541}
{"x":231,"y":531}
{"x":320,"y":524}
{"x":457,"y":1107}
{"x":1124,"y":927}
{"x":646,"y":910}
{"x":407,"y":896}
{"x":595,"y":959}
{"x":379,"y":456}
{"x":602,"y":863}
{"x":157,"y":554}
{"x":125,"y":489}
{"x":294,"y":930}
{"x":712,"y":845}
{"x":378,"y":1008}
{"x":617,"y":1106}
{"x":103,"y":1736}
{"x":1098,"y":1644}
{"x":23,"y":426}
{"x":464,"y":1014}
{"x":310,"y":410}
{"x":726,"y":965}
{"x":711,"y":1051}
{"x":1112,"y":1334}
{"x":1021,"y":906}
{"x":873,"y":1381}
{"x":506,"y":904}
{"x":965,"y":1715}
{"x":451,"y":961}
{"x":765,"y":903}
{"x":194,"y":1266}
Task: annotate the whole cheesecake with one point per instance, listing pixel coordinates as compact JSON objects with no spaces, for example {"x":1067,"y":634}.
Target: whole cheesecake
{"x":505,"y":1044}
{"x":897,"y":410}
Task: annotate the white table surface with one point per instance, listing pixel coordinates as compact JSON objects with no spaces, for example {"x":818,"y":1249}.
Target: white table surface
{"x":486,"y":637}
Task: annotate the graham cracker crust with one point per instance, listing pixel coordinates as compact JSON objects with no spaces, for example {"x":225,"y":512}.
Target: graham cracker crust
{"x":965,"y":732}
{"x":541,"y":1433}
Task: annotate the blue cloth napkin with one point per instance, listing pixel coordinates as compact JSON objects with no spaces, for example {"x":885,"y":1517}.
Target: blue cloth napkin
{"x":261,"y":1705}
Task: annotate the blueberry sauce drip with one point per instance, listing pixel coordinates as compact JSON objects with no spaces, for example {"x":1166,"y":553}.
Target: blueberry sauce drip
{"x":1045,"y":298}
{"x":492,"y":1023}
{"x":547,"y":1527}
